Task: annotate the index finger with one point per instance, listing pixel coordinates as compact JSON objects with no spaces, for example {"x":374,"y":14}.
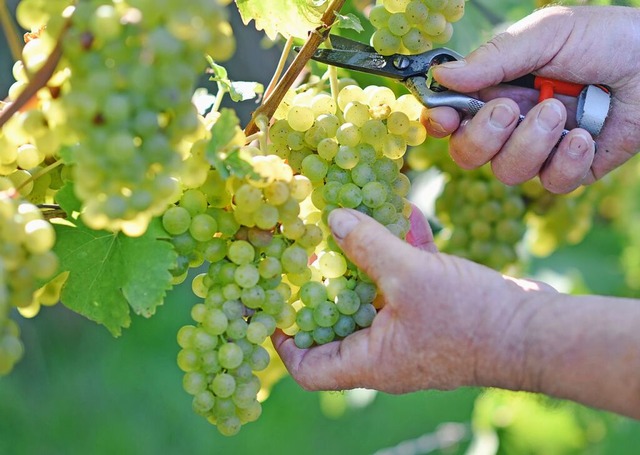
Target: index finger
{"x":440,"y":121}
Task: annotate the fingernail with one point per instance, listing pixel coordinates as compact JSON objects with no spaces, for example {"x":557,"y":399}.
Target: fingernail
{"x":549,"y":117}
{"x":502,"y":116}
{"x":453,"y":65}
{"x":578,"y":147}
{"x":436,"y":127}
{"x":342,"y":222}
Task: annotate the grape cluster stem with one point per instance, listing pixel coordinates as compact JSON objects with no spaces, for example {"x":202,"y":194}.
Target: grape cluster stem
{"x":38,"y":81}
{"x":272,"y":102}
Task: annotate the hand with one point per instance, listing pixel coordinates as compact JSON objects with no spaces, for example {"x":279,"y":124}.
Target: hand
{"x":586,"y":45}
{"x":446,"y":322}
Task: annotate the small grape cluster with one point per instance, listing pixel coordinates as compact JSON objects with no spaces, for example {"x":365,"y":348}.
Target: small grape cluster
{"x":351,"y":149}
{"x":26,"y":240}
{"x":413,"y":26}
{"x":486,"y":218}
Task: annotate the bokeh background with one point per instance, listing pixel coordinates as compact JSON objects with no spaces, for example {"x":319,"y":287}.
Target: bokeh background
{"x":80,"y":391}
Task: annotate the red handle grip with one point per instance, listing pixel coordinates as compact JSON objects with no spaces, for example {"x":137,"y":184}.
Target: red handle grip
{"x":549,"y":87}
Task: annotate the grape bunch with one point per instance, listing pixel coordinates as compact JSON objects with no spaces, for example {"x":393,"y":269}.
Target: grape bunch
{"x":121,"y":105}
{"x":351,"y":149}
{"x":413,"y":26}
{"x":246,"y":237}
{"x":485,"y":216}
{"x":26,"y":259}
{"x":484,"y":219}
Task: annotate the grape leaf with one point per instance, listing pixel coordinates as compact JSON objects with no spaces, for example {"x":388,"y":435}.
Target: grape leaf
{"x":110,"y":272}
{"x":287,"y":17}
{"x":238,"y":90}
{"x":222,"y":133}
{"x":349,"y":21}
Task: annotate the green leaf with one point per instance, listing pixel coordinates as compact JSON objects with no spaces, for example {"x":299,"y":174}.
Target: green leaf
{"x":238,"y":90}
{"x":237,"y":164}
{"x":219,"y":72}
{"x":222,"y":133}
{"x":110,"y":272}
{"x":349,"y":21}
{"x":287,"y":17}
{"x":243,"y":91}
{"x":67,"y":199}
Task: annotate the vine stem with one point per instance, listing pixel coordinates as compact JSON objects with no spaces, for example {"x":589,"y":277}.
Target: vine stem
{"x":316,"y":37}
{"x":280,"y":68}
{"x":38,"y":81}
{"x":10,"y":31}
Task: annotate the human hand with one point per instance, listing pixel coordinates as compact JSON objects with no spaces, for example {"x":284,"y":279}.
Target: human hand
{"x":586,"y":45}
{"x":446,"y":322}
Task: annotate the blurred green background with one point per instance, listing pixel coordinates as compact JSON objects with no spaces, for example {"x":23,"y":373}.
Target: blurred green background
{"x":79,"y":391}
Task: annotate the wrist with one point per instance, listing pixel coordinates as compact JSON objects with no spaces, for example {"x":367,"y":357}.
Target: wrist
{"x":505,"y":361}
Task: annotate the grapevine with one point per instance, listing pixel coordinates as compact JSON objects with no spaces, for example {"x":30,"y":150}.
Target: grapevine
{"x":110,"y":175}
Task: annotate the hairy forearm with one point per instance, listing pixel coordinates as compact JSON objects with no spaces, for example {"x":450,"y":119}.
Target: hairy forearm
{"x":583,"y":348}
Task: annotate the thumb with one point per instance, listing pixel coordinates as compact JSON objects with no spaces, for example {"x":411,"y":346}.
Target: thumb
{"x":526,"y":46}
{"x":368,"y":244}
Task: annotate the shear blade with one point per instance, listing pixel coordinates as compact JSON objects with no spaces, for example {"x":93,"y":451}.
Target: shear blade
{"x":346,"y":44}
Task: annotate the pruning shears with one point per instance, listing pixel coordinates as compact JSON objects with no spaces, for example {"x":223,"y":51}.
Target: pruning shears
{"x":413,"y":72}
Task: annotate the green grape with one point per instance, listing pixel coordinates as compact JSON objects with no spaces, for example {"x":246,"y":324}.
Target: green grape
{"x":176,"y":220}
{"x":300,"y":118}
{"x":253,"y":297}
{"x":398,"y":24}
{"x":241,"y":252}
{"x":294,"y":259}
{"x":347,"y":157}
{"x":385,"y":42}
{"x":259,"y":358}
{"x":303,"y":340}
{"x":203,"y":402}
{"x":203,"y":227}
{"x":345,"y":326}
{"x":395,"y":6}
{"x":325,"y":314}
{"x":416,"y":12}
{"x":305,"y":319}
{"x":230,"y":355}
{"x":356,"y":113}
{"x":379,"y":16}
{"x":347,"y":301}
{"x":365,"y":315}
{"x":323,"y":335}
{"x":314,"y":168}
{"x":348,"y":135}
{"x":223,"y":385}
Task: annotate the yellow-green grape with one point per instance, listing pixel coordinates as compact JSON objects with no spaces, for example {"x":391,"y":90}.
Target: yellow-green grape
{"x":127,"y":123}
{"x":413,"y":26}
{"x":26,"y":241}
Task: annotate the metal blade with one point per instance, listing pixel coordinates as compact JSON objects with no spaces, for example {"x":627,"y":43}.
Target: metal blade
{"x":346,"y":44}
{"x":365,"y":62}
